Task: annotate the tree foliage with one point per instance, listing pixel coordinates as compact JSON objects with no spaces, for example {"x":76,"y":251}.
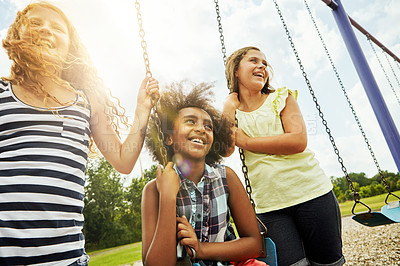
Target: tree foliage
{"x":112,"y":212}
{"x":366,"y":187}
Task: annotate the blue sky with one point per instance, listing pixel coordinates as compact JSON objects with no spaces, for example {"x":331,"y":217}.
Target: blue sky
{"x":183,"y":43}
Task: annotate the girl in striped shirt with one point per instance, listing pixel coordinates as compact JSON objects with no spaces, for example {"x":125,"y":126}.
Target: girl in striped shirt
{"x":54,"y":110}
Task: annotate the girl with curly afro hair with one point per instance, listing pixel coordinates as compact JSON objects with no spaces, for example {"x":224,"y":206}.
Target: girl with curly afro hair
{"x":186,"y":209}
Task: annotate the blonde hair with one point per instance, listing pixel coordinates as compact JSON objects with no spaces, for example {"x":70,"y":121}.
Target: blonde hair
{"x":232,"y":65}
{"x":78,"y":71}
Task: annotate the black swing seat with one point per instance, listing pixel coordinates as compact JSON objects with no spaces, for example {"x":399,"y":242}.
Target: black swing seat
{"x":390,"y":213}
{"x":372,"y":219}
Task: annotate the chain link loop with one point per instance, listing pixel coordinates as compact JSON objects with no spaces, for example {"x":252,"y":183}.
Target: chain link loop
{"x":143,"y":43}
{"x":245,"y":174}
{"x":157,"y":121}
{"x":221,"y":36}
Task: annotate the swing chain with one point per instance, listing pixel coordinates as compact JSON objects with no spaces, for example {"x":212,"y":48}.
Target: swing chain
{"x":397,"y":64}
{"x":160,"y":134}
{"x":241,"y":153}
{"x":221,"y":36}
{"x":347,"y":98}
{"x":160,"y":137}
{"x":246,"y":177}
{"x":394,"y":73}
{"x":383,"y":69}
{"x":143,"y":42}
{"x":356,"y":196}
{"x":245,"y":171}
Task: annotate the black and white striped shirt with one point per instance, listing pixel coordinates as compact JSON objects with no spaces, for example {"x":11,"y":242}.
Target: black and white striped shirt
{"x":42,"y":163}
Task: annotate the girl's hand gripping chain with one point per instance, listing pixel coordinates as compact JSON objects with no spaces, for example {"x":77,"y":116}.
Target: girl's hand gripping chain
{"x":168,"y":181}
{"x":187,"y":236}
{"x":148,"y":91}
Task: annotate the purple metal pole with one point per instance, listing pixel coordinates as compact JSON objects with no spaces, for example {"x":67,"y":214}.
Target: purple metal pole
{"x":367,"y":79}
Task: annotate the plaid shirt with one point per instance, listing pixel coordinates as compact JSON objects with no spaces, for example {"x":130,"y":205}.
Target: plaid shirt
{"x":206,"y":205}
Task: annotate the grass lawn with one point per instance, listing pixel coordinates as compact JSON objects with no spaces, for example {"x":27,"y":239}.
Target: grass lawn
{"x":128,"y":254}
{"x":121,"y":255}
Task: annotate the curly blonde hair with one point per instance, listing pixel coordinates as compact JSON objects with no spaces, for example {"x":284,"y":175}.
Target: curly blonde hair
{"x":172,"y":100}
{"x":78,"y":71}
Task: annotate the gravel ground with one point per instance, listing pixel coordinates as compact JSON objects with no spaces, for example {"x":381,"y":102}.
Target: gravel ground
{"x":363,"y":245}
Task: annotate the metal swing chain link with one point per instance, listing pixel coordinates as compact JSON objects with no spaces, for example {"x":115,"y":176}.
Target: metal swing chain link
{"x":221,"y":35}
{"x":347,"y":97}
{"x":321,"y":115}
{"x":246,"y":177}
{"x":143,"y":42}
{"x":157,"y":121}
{"x":383,"y":69}
{"x":241,"y":153}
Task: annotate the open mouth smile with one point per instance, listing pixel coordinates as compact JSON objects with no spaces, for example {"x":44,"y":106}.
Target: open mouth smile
{"x":259,"y":74}
{"x":198,"y":140}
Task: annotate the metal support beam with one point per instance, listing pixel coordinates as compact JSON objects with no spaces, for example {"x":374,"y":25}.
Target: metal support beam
{"x":369,"y":35}
{"x":368,"y":81}
{"x":332,"y":4}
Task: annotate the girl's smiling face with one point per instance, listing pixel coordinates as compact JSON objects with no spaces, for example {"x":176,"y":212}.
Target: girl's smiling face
{"x":48,"y":29}
{"x":193,"y":134}
{"x":252,"y":71}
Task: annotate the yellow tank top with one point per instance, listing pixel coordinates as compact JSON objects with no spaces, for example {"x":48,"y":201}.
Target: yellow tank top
{"x":279,"y":181}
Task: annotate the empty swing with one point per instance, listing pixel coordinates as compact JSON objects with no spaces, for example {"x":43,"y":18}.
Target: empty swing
{"x":391,"y":210}
{"x":389,"y":213}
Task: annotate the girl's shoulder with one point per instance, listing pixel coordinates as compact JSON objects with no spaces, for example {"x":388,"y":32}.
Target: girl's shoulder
{"x":215,"y":170}
{"x":278,"y":98}
{"x":226,"y":172}
{"x":150,"y":188}
{"x":216,"y":173}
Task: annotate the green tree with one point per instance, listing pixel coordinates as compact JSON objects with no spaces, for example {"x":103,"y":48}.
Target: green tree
{"x":104,"y":202}
{"x":379,"y":189}
{"x":360,"y":178}
{"x":133,"y":215}
{"x":366,"y":187}
{"x":338,"y":193}
{"x":365,"y":191}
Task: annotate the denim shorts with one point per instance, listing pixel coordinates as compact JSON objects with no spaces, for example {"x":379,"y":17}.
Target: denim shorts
{"x":308,"y":233}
